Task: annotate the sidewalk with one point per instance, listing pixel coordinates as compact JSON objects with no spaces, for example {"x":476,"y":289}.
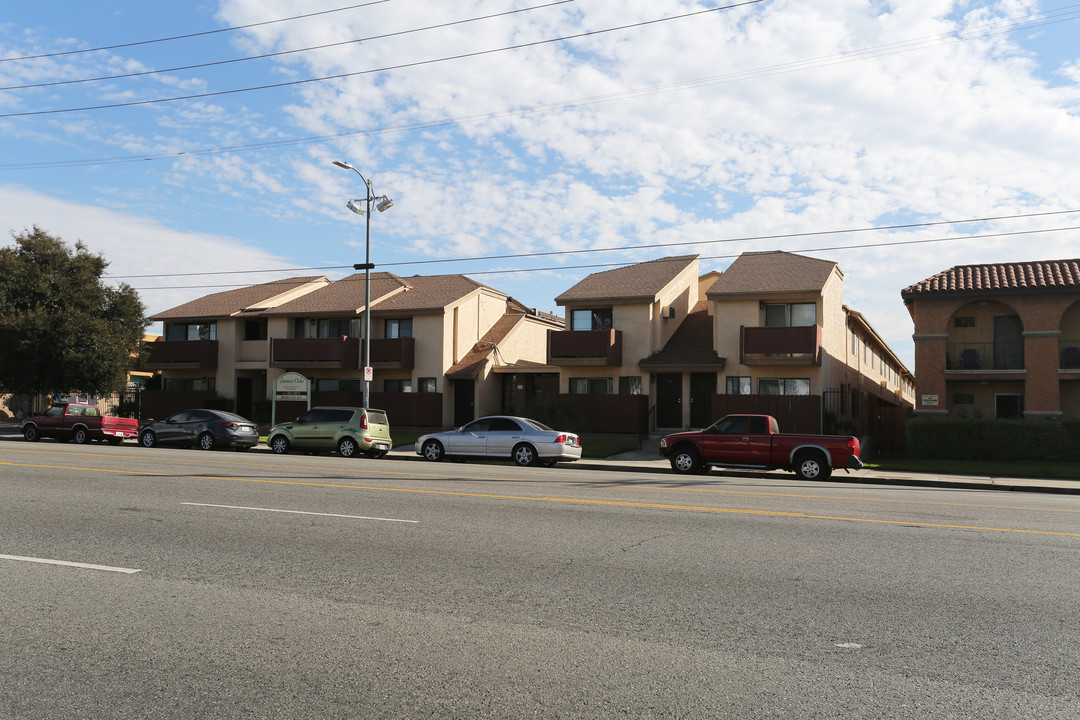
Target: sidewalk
{"x":638,"y":461}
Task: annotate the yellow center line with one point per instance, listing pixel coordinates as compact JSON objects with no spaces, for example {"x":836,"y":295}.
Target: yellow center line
{"x":580,"y":501}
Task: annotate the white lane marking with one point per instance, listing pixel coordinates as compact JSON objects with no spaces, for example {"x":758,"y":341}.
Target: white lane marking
{"x":86,"y":566}
{"x":300,"y":512}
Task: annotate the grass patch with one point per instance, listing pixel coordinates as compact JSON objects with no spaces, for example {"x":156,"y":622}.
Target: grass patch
{"x":1047,"y":469}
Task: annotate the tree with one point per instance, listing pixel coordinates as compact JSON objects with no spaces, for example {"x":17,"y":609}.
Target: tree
{"x":62,"y":329}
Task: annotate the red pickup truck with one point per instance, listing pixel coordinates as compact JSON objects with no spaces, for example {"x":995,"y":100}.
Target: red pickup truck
{"x":755,"y":441}
{"x":81,"y":423}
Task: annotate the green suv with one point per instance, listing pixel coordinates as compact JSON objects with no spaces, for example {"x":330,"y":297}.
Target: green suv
{"x":349,"y":430}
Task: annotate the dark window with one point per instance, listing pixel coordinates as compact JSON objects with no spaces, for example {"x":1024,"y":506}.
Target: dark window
{"x":738,"y":385}
{"x":963,"y":399}
{"x":734,"y":425}
{"x":427,"y":385}
{"x":480,"y":425}
{"x":783,"y":386}
{"x":179,"y":332}
{"x":759,"y":426}
{"x":596,"y":319}
{"x":590,"y":386}
{"x":398,"y":328}
{"x":790,"y":314}
{"x":397,"y":385}
{"x":254,"y":329}
{"x":630,"y":385}
{"x":964,"y":322}
{"x":504,"y":425}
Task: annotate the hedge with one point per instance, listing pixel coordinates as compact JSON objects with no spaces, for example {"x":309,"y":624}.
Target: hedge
{"x":983,"y":439}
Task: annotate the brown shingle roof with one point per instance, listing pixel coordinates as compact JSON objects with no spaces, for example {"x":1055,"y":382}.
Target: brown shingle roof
{"x":430,"y":292}
{"x":231,"y":302}
{"x":635,"y":282}
{"x":690,"y":345}
{"x":388,"y":293}
{"x":762,"y":273}
{"x":1035,"y":276}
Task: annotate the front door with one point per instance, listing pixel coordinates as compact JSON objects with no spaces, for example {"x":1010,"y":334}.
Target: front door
{"x":464,"y":400}
{"x":1008,"y":342}
{"x":669,"y":400}
{"x":702,"y":388}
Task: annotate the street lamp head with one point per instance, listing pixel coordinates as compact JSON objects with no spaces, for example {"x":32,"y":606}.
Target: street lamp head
{"x":342,"y":164}
{"x":385,"y":204}
{"x":356,"y":206}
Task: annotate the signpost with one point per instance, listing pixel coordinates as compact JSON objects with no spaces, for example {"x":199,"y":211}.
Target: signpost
{"x":290,"y":387}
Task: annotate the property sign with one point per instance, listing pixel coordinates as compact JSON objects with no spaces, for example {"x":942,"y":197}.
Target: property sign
{"x":929,"y":400}
{"x":292,"y":386}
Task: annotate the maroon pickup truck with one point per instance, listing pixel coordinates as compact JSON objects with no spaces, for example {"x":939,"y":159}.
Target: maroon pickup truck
{"x":81,"y":423}
{"x":755,"y":441}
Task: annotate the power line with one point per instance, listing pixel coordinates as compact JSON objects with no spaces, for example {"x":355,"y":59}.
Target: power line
{"x":1011,"y":25}
{"x":189,"y":35}
{"x":462,"y":56}
{"x":489,"y":258}
{"x":289,"y":52}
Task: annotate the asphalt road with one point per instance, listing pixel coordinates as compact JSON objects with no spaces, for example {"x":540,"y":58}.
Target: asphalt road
{"x":241,"y":585}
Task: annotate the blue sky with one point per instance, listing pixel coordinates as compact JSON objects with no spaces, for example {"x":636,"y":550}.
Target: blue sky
{"x":606,"y":124}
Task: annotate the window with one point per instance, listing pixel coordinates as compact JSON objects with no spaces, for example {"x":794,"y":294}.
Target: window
{"x":630,"y":385}
{"x":790,"y":314}
{"x":963,"y":399}
{"x":964,"y":322}
{"x":590,"y":386}
{"x":854,"y":343}
{"x":339,"y":384}
{"x":398,"y":328}
{"x":427,"y":384}
{"x":178,"y":332}
{"x":306,"y":328}
{"x":255,"y":329}
{"x":783,"y":386}
{"x":599,"y":319}
{"x":738,"y":385}
{"x":397,"y":385}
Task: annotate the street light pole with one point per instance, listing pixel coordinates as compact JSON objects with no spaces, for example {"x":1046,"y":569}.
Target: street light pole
{"x":385,"y":203}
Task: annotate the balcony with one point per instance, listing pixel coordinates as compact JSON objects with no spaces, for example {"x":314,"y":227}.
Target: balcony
{"x":585,"y":347}
{"x":181,"y":354}
{"x":394,"y":353}
{"x":780,"y":345}
{"x":980,"y":357}
{"x":342,"y":353}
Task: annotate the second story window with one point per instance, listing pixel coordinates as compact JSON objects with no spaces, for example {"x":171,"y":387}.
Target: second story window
{"x":176,"y":332}
{"x":596,"y":319}
{"x":305,"y":328}
{"x":790,"y":314}
{"x":398,"y":328}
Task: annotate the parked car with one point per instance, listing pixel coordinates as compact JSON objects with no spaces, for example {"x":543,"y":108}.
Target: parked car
{"x":525,"y":441}
{"x":79,"y":423}
{"x":208,"y":429}
{"x":348,"y":430}
{"x":755,"y":441}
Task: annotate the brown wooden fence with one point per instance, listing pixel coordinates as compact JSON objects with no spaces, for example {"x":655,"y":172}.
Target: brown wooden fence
{"x":794,"y":413}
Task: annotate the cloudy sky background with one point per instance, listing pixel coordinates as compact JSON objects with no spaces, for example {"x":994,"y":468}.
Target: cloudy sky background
{"x":546,"y":130}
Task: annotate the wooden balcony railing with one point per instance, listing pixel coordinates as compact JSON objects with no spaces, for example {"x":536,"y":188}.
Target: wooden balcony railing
{"x":780,"y":345}
{"x":585,"y":347}
{"x":164,"y":355}
{"x":342,"y":352}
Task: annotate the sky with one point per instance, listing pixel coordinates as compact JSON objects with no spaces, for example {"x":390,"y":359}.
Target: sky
{"x":528,"y":143}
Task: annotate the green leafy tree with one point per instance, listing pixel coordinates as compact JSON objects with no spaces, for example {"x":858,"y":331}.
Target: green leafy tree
{"x":62,"y":328}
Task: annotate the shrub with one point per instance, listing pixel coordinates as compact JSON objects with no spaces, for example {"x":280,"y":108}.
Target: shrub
{"x":986,"y":439}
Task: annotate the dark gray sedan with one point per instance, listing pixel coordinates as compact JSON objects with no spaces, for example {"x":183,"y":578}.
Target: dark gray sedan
{"x":208,"y":429}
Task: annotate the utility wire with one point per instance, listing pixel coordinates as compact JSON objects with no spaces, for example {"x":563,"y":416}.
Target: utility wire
{"x":189,"y":35}
{"x":1011,"y":25}
{"x":293,"y":83}
{"x":290,"y":52}
{"x":513,"y":271}
{"x":908,"y":226}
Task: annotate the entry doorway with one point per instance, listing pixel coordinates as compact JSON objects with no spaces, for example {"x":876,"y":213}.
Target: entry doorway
{"x":464,"y":401}
{"x":669,"y":400}
{"x":702,"y":389}
{"x":1009,"y":406}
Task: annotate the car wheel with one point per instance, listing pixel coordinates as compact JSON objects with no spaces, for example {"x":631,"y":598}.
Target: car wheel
{"x":347,"y":447}
{"x":206,"y":441}
{"x":812,"y":466}
{"x":148,"y":439}
{"x":524,"y":455}
{"x":81,"y":436}
{"x":279,"y":444}
{"x":433,"y":451}
{"x":30,"y":432}
{"x":686,"y":461}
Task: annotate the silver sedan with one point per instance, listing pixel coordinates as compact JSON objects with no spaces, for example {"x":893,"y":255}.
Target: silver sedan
{"x":525,"y":441}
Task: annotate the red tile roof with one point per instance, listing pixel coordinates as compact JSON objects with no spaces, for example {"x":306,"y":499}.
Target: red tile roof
{"x":771,"y":272}
{"x":642,"y":281}
{"x":994,"y":278}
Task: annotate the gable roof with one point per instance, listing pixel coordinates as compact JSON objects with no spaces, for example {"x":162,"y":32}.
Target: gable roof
{"x":691,"y":345}
{"x":232,"y":302}
{"x":1000,"y":278}
{"x":642,"y":281}
{"x":388,"y":293}
{"x":470,"y":365}
{"x":773,"y":272}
